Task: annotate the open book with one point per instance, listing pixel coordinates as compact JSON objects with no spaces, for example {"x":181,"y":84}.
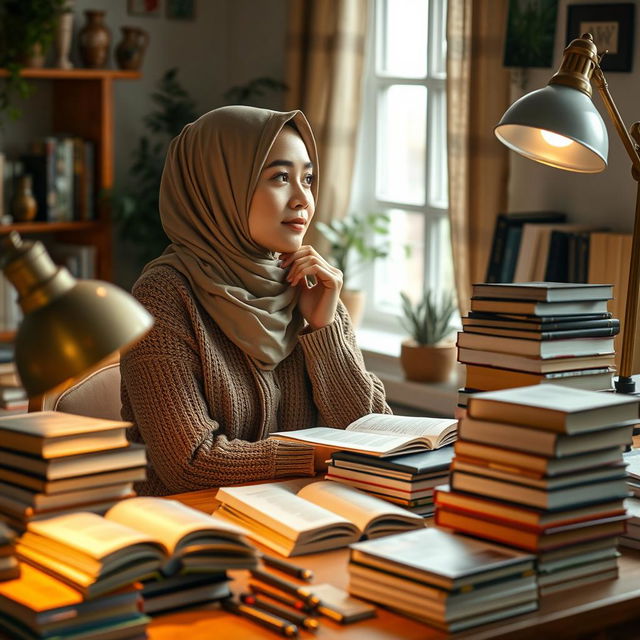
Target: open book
{"x":135,"y":539}
{"x":379,"y":434}
{"x":322,"y":515}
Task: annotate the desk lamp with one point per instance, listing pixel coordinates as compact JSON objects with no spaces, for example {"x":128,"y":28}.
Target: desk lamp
{"x":560,"y":126}
{"x":69,"y":326}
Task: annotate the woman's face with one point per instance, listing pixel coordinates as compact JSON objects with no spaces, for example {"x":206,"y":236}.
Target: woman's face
{"x":282,"y":205}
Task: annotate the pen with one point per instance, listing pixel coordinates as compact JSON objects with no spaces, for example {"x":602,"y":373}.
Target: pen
{"x":296,"y":617}
{"x":268,"y":620}
{"x":276,"y":594}
{"x":286,"y":586}
{"x":287,"y":567}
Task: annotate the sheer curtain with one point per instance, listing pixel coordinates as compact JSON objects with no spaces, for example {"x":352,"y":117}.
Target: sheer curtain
{"x":325,"y":55}
{"x":477,"y":96}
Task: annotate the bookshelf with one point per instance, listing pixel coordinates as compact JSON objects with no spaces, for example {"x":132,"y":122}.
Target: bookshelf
{"x":82,"y":105}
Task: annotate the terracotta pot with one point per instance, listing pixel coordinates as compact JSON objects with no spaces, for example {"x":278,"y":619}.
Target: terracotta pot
{"x":353,"y":300}
{"x":94,"y":40}
{"x":130,"y":50}
{"x":427,"y":362}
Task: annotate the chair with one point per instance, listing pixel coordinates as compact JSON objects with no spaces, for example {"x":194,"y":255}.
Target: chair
{"x":97,"y":395}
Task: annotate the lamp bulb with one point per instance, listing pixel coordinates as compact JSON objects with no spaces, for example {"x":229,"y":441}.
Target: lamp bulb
{"x":555,"y":139}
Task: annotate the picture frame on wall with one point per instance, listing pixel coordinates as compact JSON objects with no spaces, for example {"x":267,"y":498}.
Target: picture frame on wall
{"x":611,"y":26}
{"x":144,"y":7}
{"x":181,"y":9}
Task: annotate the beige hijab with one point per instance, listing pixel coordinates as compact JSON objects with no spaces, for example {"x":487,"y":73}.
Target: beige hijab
{"x":210,"y":174}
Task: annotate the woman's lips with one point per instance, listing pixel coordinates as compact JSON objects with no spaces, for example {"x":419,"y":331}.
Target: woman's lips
{"x":296,"y":225}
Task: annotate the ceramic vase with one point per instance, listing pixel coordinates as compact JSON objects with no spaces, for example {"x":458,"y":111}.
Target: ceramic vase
{"x":62,"y":39}
{"x":24,"y":206}
{"x":94,"y":40}
{"x":130,"y":50}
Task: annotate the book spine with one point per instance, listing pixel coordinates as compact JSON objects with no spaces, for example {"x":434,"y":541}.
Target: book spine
{"x":510,"y":257}
{"x":497,"y":249}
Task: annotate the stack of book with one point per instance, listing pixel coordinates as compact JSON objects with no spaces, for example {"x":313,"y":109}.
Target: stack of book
{"x":631,"y":537}
{"x":179,"y":553}
{"x":449,"y":581}
{"x":53,"y":462}
{"x":407,"y":480}
{"x":537,"y":333}
{"x":8,"y":562}
{"x":36,"y":605}
{"x":540,"y":468}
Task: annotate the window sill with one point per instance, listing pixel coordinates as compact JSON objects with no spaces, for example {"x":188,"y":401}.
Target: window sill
{"x":381,"y":355}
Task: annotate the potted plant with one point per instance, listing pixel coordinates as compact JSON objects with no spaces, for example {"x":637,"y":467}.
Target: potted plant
{"x":430,"y":354}
{"x":26,"y":31}
{"x":352,"y":246}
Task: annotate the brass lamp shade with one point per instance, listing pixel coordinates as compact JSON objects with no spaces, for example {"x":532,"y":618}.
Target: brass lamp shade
{"x":69,"y":326}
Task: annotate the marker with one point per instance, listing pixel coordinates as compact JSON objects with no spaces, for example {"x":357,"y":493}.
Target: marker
{"x":287,"y":567}
{"x":276,"y":594}
{"x":296,"y":617}
{"x":267,"y":620}
{"x":286,"y":586}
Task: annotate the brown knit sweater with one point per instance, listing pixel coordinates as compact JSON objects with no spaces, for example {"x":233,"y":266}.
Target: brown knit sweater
{"x":204,"y":410}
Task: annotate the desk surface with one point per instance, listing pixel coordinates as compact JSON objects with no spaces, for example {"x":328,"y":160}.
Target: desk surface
{"x":566,"y":615}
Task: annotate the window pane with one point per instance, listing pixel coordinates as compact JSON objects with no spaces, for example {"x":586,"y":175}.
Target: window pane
{"x":403,"y":50}
{"x":438,"y":39}
{"x":403,"y":269}
{"x":401,"y":150}
{"x":438,"y":172}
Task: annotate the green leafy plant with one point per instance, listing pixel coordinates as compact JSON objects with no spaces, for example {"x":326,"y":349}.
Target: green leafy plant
{"x":352,"y":243}
{"x":23,"y":26}
{"x":429,"y":320}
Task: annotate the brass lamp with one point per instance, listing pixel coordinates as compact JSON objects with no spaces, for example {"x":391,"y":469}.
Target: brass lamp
{"x":560,"y":126}
{"x":69,"y":326}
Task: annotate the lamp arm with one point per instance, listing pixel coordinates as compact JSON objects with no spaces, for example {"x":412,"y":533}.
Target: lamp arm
{"x":625,"y":383}
{"x":628,"y":142}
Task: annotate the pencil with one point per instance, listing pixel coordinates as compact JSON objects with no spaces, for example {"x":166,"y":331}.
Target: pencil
{"x":300,"y":619}
{"x":287,"y":567}
{"x":263,"y":618}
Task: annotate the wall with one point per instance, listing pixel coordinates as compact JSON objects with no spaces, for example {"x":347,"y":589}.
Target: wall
{"x":607,"y":198}
{"x":229,"y":42}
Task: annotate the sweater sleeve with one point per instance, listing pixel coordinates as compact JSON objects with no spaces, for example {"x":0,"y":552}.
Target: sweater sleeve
{"x":343,"y":390}
{"x":187,"y":448}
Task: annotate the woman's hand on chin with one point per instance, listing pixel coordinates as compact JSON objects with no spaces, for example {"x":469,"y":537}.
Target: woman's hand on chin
{"x":318,"y":302}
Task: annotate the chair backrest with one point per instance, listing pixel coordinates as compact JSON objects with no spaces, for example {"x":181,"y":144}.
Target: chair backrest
{"x":97,"y":395}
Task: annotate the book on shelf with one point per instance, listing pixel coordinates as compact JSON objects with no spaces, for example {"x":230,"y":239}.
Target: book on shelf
{"x":53,"y":434}
{"x":535,"y":308}
{"x":544,"y":443}
{"x":521,"y":516}
{"x":532,"y":364}
{"x":483,"y":378}
{"x":536,"y":348}
{"x":133,"y":455}
{"x":379,"y":435}
{"x":137,"y":538}
{"x":507,"y":236}
{"x":553,"y":408}
{"x":36,"y":605}
{"x":40,"y":484}
{"x":544,"y":324}
{"x":79,"y":259}
{"x":541,"y":498}
{"x":543,"y":291}
{"x":319,"y":516}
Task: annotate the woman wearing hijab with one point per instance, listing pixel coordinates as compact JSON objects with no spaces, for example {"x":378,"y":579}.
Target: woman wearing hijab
{"x":243,"y":344}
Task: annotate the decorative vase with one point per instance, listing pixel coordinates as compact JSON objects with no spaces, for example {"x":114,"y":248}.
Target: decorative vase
{"x":130,"y":50}
{"x":62,"y":38}
{"x":353,"y":300}
{"x":427,"y":362}
{"x":94,"y":40}
{"x":24,"y":206}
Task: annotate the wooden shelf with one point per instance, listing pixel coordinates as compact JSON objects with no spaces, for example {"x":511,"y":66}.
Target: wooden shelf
{"x":50,"y":227}
{"x":75,"y":74}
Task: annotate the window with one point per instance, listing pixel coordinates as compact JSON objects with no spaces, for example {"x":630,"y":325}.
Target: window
{"x":401,"y":164}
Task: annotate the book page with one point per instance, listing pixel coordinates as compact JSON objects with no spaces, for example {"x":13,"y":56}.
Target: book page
{"x":350,"y":440}
{"x":166,"y":520}
{"x":89,"y":532}
{"x":431,"y":428}
{"x":356,"y":506}
{"x":278,"y":508}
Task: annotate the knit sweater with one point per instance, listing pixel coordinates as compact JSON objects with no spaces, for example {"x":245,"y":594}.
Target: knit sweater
{"x":204,"y":410}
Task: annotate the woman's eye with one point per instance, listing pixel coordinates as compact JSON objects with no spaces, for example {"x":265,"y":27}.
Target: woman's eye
{"x":281,"y":177}
{"x":308,"y":179}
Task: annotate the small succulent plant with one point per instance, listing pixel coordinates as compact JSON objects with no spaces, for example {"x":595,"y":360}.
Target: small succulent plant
{"x":429,"y":320}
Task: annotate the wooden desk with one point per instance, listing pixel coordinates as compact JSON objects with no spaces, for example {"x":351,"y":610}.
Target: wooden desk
{"x":567,"y":615}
